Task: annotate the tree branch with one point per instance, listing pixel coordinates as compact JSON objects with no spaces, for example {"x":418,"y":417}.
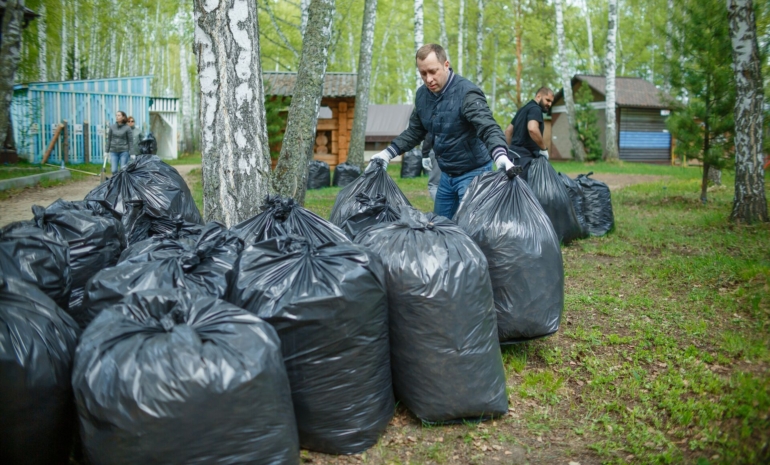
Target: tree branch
{"x":279,"y":31}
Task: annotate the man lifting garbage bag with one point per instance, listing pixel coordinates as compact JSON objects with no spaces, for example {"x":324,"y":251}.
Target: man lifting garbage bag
{"x":37,"y":344}
{"x":373,"y":183}
{"x":329,"y":306}
{"x":169,"y":376}
{"x":445,"y":356}
{"x":505,"y":219}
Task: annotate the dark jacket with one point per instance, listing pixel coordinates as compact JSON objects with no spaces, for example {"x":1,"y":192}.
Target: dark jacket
{"x":120,"y":138}
{"x":464,"y":131}
{"x":136,"y":137}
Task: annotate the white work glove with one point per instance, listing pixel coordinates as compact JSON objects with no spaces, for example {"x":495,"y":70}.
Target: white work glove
{"x":384,"y":156}
{"x":427,"y":165}
{"x":503,"y":163}
{"x":544,"y":153}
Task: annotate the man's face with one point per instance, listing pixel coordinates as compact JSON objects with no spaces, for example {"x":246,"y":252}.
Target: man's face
{"x":545,"y":101}
{"x":433,"y":73}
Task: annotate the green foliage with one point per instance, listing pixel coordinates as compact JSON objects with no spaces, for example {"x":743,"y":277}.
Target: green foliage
{"x":276,"y":114}
{"x":587,"y":123}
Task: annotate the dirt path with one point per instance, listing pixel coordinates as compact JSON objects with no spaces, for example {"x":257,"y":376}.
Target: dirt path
{"x":19,"y":207}
{"x":619,"y":181}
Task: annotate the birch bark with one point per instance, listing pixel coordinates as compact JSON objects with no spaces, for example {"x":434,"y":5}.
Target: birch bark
{"x":290,"y":177}
{"x":42,"y":45}
{"x":668,"y":47}
{"x":358,"y":135}
{"x":749,"y":202}
{"x":442,"y":28}
{"x":235,"y":154}
{"x":479,"y":42}
{"x":611,"y":144}
{"x":461,"y":38}
{"x":590,"y":33}
{"x":10,"y":53}
{"x":184,"y":76}
{"x":64,"y":44}
{"x":418,"y":35}
{"x":75,"y":41}
{"x":578,"y":152}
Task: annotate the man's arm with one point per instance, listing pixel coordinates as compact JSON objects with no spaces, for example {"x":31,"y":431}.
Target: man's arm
{"x":410,"y":138}
{"x":477,"y":112}
{"x":509,"y":134}
{"x":533,"y":126}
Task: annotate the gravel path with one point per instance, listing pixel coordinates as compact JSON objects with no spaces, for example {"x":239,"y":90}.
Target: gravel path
{"x":19,"y":207}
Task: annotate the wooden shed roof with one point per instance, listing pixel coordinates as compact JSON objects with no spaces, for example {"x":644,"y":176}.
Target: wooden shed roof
{"x":335,"y":84}
{"x":629,"y":91}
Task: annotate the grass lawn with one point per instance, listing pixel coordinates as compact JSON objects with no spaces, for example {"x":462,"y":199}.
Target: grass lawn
{"x":663,"y":354}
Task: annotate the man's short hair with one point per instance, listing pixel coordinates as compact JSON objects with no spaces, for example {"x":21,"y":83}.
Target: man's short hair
{"x":425,"y":50}
{"x":544,"y":91}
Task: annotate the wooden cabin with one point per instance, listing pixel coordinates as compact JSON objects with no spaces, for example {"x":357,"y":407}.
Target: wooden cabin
{"x":335,"y":118}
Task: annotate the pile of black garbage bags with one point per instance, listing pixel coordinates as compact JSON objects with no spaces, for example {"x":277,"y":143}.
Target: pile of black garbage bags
{"x":138,"y":332}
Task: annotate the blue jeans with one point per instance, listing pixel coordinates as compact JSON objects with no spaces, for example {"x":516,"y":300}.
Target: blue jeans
{"x":452,"y":189}
{"x":116,"y":158}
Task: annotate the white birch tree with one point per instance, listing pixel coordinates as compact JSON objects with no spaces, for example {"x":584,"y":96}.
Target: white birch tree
{"x":184,"y":76}
{"x":234,"y":150}
{"x":75,"y":42}
{"x":749,"y":202}
{"x":611,"y":140}
{"x":358,"y":135}
{"x":578,"y":152}
{"x":42,"y":44}
{"x":479,"y":42}
{"x":442,"y":27}
{"x":290,"y":177}
{"x":590,"y":34}
{"x":461,"y":38}
{"x":303,"y":7}
{"x":419,"y":35}
{"x":10,"y":54}
{"x":64,"y":44}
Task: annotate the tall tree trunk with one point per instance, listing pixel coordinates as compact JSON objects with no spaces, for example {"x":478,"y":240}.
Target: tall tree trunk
{"x":668,"y":47}
{"x":358,"y":135}
{"x":749,"y":202}
{"x":235,"y":153}
{"x":351,"y":48}
{"x":303,"y":7}
{"x":578,"y":152}
{"x":704,"y":184}
{"x":590,"y":33}
{"x":42,"y":45}
{"x":418,"y":35}
{"x":113,"y":62}
{"x":384,"y":45}
{"x":479,"y":41}
{"x":611,"y":141}
{"x":442,"y":27}
{"x":519,"y":65}
{"x":64,"y":43}
{"x":184,"y":76}
{"x":10,"y":54}
{"x":290,"y":178}
{"x":75,"y":42}
{"x":493,"y":103}
{"x":461,"y":38}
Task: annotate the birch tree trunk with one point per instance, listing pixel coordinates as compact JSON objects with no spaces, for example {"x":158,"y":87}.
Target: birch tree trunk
{"x":668,"y":47}
{"x":290,"y":178}
{"x":42,"y":45}
{"x":479,"y":41}
{"x":519,"y":65}
{"x":419,"y":35}
{"x":75,"y":42}
{"x":590,"y":34}
{"x":64,"y":44}
{"x":749,"y":202}
{"x":235,"y":155}
{"x":461,"y":38}
{"x":442,"y":28}
{"x":358,"y":135}
{"x":10,"y":54}
{"x":184,"y":76}
{"x":350,"y":50}
{"x":303,"y":6}
{"x":578,"y":152}
{"x":611,"y":144}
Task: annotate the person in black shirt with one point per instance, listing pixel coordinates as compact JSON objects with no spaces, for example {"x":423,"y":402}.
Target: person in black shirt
{"x":525,"y":133}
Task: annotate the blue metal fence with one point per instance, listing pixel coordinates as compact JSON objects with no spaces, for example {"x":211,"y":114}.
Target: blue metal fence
{"x":88,"y":106}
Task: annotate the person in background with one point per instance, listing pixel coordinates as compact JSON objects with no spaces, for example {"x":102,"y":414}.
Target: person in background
{"x":119,"y":142}
{"x":136,"y":135}
{"x":466,"y":138}
{"x":525,"y":133}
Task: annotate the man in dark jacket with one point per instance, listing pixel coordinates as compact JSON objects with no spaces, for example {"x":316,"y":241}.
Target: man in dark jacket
{"x":466,"y":137}
{"x":525,"y":133}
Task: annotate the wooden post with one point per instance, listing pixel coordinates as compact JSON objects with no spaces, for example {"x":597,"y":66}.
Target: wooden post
{"x":55,"y":138}
{"x":86,"y":144}
{"x":66,"y":141}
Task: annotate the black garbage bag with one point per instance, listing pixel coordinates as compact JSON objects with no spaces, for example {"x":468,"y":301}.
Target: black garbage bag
{"x":283,"y":216}
{"x":376,"y":210}
{"x":505,"y":219}
{"x":553,"y":197}
{"x":37,"y":345}
{"x":169,"y":376}
{"x":202,"y":265}
{"x":148,"y":145}
{"x":373,"y":183}
{"x":577,"y":197}
{"x":598,"y":205}
{"x":318,"y":175}
{"x":38,"y":257}
{"x":329,"y":307}
{"x":411,"y":164}
{"x":142,"y":223}
{"x":345,"y":173}
{"x":158,"y":184}
{"x":435,"y":309}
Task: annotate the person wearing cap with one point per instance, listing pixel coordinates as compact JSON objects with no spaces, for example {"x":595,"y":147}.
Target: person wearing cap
{"x":466,"y":138}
